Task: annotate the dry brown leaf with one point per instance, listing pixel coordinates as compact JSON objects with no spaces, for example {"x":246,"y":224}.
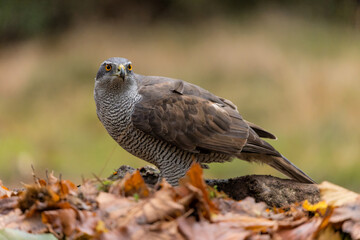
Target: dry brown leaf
{"x":290,"y":222}
{"x":46,"y":195}
{"x":204,"y":230}
{"x":51,"y":179}
{"x":61,"y":187}
{"x":255,"y":224}
{"x":131,"y":185}
{"x":161,"y":206}
{"x":194,"y":178}
{"x":349,"y":218}
{"x":87,"y":223}
{"x":348,"y":212}
{"x":62,"y":221}
{"x":158,"y":231}
{"x":88,"y":191}
{"x":132,"y":211}
{"x":335,"y":195}
{"x":114,"y":234}
{"x":8,"y":204}
{"x":353,"y":228}
{"x":136,"y":184}
{"x":14,"y":216}
{"x":41,"y":182}
{"x":66,"y":187}
{"x":37,"y":198}
{"x":249,"y":206}
{"x":305,"y":231}
{"x":114,"y":206}
{"x":17,"y":220}
{"x":4,"y":192}
{"x":32,"y":224}
{"x":70,"y":223}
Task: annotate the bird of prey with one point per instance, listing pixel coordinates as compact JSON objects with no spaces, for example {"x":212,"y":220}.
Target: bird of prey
{"x":172,"y":123}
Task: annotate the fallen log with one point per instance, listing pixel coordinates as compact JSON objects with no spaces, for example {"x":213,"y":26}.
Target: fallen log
{"x":274,"y":191}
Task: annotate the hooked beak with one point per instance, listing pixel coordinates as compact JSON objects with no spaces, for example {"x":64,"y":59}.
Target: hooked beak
{"x":120,"y":72}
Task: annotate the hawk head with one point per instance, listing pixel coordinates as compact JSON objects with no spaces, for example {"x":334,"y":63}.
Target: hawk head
{"x":114,"y":70}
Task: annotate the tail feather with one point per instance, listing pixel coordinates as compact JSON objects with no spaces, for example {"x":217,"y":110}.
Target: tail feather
{"x":258,"y":150}
{"x":280,"y":163}
{"x":283,"y":165}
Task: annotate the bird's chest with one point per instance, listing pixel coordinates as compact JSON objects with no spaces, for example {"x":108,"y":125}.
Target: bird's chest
{"x":115,"y":114}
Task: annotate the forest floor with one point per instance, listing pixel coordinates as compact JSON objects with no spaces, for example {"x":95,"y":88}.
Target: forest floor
{"x":128,"y":208}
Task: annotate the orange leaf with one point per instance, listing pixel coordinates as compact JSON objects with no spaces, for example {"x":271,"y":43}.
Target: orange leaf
{"x":66,"y":187}
{"x":194,"y":178}
{"x":61,"y":221}
{"x":42,"y":182}
{"x":135,"y":184}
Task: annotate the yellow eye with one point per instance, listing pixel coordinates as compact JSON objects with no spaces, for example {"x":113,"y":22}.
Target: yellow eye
{"x":108,"y":67}
{"x":129,"y":67}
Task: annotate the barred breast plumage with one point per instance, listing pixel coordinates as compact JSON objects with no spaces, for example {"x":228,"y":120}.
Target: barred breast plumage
{"x":171,"y":123}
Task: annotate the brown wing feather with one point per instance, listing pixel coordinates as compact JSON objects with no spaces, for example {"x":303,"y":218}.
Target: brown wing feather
{"x":188,"y":116}
{"x":260,"y":131}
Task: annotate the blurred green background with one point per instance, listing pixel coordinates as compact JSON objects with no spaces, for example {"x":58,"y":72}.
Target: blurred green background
{"x":292,"y":68}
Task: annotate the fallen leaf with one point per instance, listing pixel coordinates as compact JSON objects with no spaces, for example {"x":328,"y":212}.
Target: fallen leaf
{"x":113,"y":206}
{"x":130,"y":185}
{"x":11,"y":217}
{"x":37,"y":198}
{"x":319,"y":207}
{"x":132,"y":210}
{"x":61,"y":221}
{"x":204,"y":230}
{"x":347,"y":212}
{"x":353,"y":228}
{"x":100,"y":227}
{"x":114,"y":234}
{"x":160,"y":230}
{"x":51,"y":179}
{"x":70,"y":223}
{"x":87,"y":222}
{"x":4,"y":192}
{"x":66,"y":187}
{"x":249,"y":206}
{"x":41,"y":182}
{"x":255,"y":224}
{"x":194,"y":180}
{"x":8,"y":204}
{"x":17,"y":220}
{"x":291,"y":222}
{"x":349,"y":218}
{"x":335,"y":195}
{"x":88,"y":191}
{"x":161,"y":206}
{"x":305,"y":231}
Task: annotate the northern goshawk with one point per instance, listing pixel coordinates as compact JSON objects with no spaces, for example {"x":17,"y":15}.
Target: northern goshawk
{"x":172,"y":123}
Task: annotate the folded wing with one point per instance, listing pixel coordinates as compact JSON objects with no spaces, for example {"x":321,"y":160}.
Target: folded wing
{"x":188,"y":116}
